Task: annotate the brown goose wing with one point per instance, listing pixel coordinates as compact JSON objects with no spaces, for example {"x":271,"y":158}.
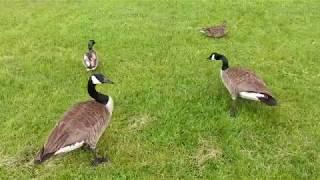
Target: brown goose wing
{"x":245,"y":80}
{"x":77,"y":125}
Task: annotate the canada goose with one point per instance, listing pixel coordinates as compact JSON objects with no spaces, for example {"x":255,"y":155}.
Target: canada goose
{"x":215,"y":31}
{"x":90,"y":59}
{"x":243,"y":83}
{"x":82,"y":125}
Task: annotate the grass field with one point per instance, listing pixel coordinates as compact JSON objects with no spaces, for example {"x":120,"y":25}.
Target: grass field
{"x":171,"y":110}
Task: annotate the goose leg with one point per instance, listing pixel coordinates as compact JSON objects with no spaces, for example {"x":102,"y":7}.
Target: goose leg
{"x":86,"y":147}
{"x":98,"y":160}
{"x":233,"y":108}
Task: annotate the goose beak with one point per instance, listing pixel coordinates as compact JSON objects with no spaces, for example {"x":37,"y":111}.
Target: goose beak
{"x":209,"y":58}
{"x":106,"y":80}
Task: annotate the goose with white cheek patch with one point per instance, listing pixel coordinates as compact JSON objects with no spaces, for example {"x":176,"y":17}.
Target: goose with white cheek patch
{"x":90,"y":59}
{"x":244,"y":83}
{"x":82,"y":125}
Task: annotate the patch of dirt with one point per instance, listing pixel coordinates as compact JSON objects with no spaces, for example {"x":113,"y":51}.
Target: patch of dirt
{"x":207,"y":152}
{"x":140,"y":121}
{"x":22,"y":159}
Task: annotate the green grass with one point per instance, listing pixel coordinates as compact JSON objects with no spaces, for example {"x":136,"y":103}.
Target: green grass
{"x":171,"y":109}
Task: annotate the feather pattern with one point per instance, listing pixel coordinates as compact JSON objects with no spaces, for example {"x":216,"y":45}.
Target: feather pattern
{"x":90,"y":60}
{"x":215,"y":31}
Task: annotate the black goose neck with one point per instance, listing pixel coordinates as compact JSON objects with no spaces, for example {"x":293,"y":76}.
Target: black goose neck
{"x":225,"y":64}
{"x":99,"y":97}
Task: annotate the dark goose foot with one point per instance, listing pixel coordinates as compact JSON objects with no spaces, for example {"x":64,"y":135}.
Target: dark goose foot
{"x":233,"y":112}
{"x":99,"y":160}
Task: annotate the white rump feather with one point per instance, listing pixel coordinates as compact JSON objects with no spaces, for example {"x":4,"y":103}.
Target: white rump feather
{"x":69,"y":148}
{"x":251,"y":95}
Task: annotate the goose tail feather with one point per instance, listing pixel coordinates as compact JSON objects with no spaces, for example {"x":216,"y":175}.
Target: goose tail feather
{"x":42,"y":156}
{"x":268,"y":100}
{"x":203,"y":31}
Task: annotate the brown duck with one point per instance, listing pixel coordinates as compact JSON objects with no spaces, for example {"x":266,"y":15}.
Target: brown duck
{"x":90,"y":59}
{"x":82,"y":125}
{"x":215,"y":31}
{"x":244,"y":83}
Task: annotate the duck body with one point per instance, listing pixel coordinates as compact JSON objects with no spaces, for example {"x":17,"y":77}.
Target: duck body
{"x":82,"y":125}
{"x":215,"y":31}
{"x":90,"y":59}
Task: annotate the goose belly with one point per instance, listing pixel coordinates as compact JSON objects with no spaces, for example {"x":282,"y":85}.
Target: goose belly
{"x":69,"y":148}
{"x":251,"y":95}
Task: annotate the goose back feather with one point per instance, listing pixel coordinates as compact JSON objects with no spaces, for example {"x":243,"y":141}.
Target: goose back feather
{"x":238,"y":80}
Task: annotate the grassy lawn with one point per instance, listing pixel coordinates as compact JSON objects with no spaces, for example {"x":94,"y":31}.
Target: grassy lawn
{"x":171,"y":110}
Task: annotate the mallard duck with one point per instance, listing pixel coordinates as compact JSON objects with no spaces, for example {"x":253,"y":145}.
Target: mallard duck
{"x":215,"y":31}
{"x":82,"y":125}
{"x":90,"y":59}
{"x":244,"y":83}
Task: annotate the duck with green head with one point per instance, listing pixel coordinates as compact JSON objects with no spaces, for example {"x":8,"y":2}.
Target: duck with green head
{"x":90,"y":59}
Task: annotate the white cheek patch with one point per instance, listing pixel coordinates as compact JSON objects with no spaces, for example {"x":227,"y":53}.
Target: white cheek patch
{"x":95,"y":80}
{"x":212,"y":57}
{"x":69,"y":148}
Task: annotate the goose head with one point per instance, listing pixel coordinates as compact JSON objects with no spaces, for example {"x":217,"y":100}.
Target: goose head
{"x":91,"y":43}
{"x":100,"y":79}
{"x":215,"y":56}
